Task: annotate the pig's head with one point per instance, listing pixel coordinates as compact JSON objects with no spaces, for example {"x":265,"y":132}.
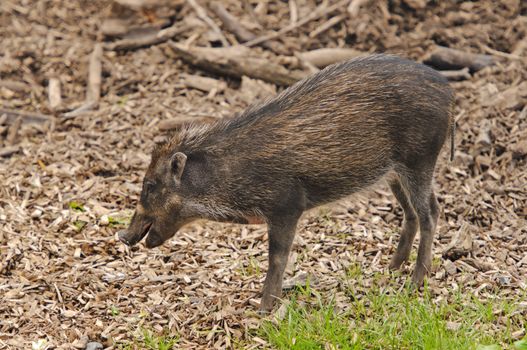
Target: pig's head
{"x":159,"y":213}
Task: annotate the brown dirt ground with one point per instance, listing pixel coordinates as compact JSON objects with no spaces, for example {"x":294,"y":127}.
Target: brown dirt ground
{"x":60,"y":281}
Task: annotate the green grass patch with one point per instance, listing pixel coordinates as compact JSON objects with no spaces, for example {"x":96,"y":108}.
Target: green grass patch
{"x":118,"y":221}
{"x":76,"y":206}
{"x":390,"y":318}
{"x":79,"y":225}
{"x":147,"y":339}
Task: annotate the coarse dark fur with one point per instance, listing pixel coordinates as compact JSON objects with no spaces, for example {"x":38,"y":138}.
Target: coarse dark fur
{"x":326,"y":137}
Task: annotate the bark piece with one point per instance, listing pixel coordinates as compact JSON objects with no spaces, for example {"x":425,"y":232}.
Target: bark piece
{"x":519,"y":149}
{"x":460,"y":245}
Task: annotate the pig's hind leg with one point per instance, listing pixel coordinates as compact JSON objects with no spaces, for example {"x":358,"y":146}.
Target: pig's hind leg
{"x":409,"y":227}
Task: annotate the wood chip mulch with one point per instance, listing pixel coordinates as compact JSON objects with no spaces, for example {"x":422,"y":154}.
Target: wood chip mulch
{"x":68,"y":185}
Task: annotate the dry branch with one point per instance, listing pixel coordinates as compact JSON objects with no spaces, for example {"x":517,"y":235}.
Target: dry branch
{"x":9,"y":150}
{"x":93,"y":92}
{"x":12,"y":132}
{"x":447,"y":58}
{"x":456,"y":75}
{"x":354,"y":7}
{"x":93,"y":89}
{"x":27,"y":117}
{"x":236,"y":62}
{"x":232,"y":24}
{"x":16,"y":86}
{"x":330,"y":23}
{"x":114,"y":27}
{"x":506,"y":55}
{"x":319,"y":12}
{"x":293,"y":10}
{"x":306,"y":65}
{"x":203,"y":83}
{"x":202,"y":14}
{"x":86,"y":107}
{"x":324,"y":57}
{"x":146,"y":40}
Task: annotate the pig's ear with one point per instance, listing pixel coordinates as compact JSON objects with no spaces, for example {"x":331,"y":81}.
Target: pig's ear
{"x":177,"y":165}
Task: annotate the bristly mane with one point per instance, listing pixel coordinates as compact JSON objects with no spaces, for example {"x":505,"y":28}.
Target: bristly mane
{"x":205,"y":137}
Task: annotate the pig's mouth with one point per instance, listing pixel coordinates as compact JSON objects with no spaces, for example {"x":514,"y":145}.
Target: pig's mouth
{"x":130,"y":239}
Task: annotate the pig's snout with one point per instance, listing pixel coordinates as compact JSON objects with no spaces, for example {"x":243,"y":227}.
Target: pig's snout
{"x":124,"y":237}
{"x":130,"y":238}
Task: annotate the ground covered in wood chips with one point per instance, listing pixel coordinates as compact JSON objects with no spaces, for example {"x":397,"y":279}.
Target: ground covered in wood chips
{"x":68,"y":185}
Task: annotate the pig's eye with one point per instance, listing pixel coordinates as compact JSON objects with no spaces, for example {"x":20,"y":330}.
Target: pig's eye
{"x":148,"y":186}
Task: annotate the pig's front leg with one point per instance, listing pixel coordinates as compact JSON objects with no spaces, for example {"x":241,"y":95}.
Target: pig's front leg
{"x":281,"y":235}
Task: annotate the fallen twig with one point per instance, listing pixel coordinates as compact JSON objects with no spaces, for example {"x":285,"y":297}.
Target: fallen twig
{"x":54,"y":97}
{"x":146,"y":40}
{"x":306,"y":64}
{"x":324,"y":57}
{"x":27,"y":117}
{"x":93,"y":92}
{"x":12,"y":132}
{"x":9,"y":150}
{"x":236,"y":62}
{"x":354,"y":7}
{"x":93,"y":89}
{"x":506,"y":55}
{"x":461,"y":74}
{"x":86,"y":107}
{"x":114,"y":27}
{"x":203,"y":83}
{"x":447,"y":58}
{"x":232,"y":24}
{"x":319,"y":12}
{"x":330,"y":23}
{"x":16,"y":86}
{"x":202,"y":14}
{"x":293,"y":11}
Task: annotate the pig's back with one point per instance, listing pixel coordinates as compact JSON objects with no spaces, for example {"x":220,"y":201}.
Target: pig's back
{"x":340,"y":129}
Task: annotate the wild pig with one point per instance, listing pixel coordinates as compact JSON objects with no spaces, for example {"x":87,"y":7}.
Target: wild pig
{"x":324,"y":138}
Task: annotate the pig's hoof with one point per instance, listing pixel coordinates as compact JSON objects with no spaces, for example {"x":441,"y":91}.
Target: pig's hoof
{"x":396,"y":263}
{"x":263,"y":312}
{"x":418,"y":279}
